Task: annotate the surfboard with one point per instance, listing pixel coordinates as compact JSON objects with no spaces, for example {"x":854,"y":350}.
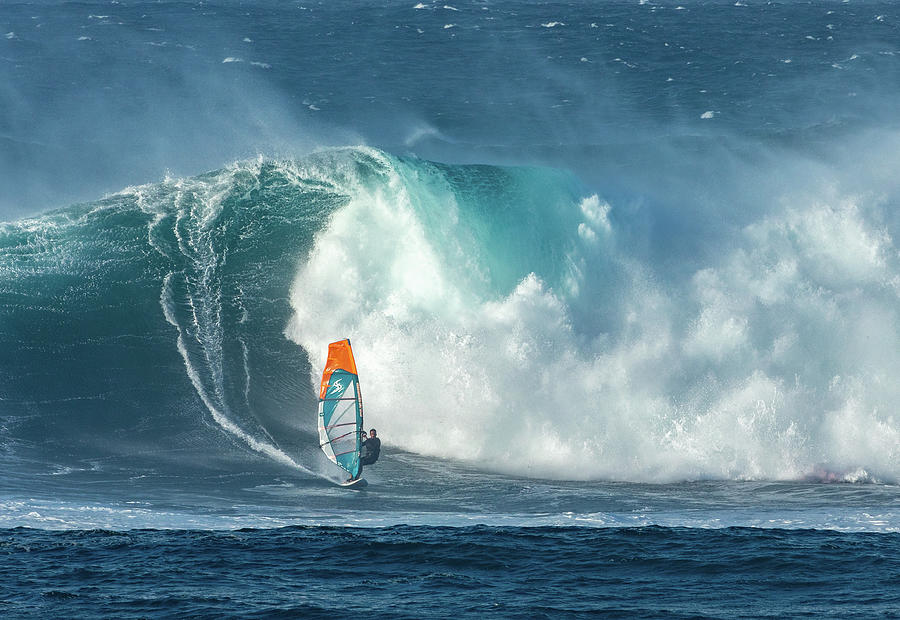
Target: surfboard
{"x":359,"y":483}
{"x":340,"y":416}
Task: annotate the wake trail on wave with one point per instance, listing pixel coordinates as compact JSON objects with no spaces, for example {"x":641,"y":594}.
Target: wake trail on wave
{"x":268,"y":449}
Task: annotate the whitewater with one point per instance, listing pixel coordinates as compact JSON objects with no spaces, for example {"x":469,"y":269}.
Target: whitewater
{"x":622,"y":282}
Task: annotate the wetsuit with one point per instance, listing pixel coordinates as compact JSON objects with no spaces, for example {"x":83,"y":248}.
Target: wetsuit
{"x":368,"y":453}
{"x":371,"y":449}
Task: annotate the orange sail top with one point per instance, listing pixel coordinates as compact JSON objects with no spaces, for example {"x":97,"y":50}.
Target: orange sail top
{"x":340,"y":357}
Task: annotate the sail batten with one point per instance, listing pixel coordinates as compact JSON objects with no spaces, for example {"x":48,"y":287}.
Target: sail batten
{"x":340,"y":419}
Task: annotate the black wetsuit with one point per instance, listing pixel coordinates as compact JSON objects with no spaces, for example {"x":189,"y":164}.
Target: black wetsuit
{"x":371,"y":449}
{"x":368,"y":453}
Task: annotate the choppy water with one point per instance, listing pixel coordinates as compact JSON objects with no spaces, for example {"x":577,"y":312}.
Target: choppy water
{"x":621,"y":278}
{"x":414,"y":572}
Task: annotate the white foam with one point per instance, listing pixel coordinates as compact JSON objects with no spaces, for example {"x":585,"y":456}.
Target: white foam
{"x":231,"y":59}
{"x":708,"y":114}
{"x":123,"y":516}
{"x":730,"y":377}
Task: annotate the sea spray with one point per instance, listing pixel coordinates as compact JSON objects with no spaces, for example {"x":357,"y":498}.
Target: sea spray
{"x":772,"y":363}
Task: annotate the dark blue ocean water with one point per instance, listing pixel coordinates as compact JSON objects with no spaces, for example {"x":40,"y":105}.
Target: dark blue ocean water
{"x":622,"y":279}
{"x":476,"y":571}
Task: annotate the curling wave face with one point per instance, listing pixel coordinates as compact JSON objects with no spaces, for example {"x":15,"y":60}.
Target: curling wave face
{"x":500,"y":316}
{"x":144,"y":325}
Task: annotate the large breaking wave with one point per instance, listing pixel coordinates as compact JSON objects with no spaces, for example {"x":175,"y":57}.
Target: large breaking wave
{"x":500,"y":316}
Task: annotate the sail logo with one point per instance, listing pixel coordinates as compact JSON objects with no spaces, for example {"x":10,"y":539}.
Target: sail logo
{"x":336,"y":387}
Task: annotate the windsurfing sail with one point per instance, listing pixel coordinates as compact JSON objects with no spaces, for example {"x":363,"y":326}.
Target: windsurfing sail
{"x":340,"y":408}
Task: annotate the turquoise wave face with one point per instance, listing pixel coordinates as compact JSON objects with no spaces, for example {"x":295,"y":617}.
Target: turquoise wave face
{"x":499,"y":316}
{"x":128,"y":321}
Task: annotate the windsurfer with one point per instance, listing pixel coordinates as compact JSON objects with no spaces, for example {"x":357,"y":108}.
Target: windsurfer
{"x":369,"y":451}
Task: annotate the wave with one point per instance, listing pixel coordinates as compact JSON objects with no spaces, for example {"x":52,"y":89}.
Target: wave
{"x":500,"y":315}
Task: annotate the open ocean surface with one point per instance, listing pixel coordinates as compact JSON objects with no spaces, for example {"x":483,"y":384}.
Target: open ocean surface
{"x":620,"y":278}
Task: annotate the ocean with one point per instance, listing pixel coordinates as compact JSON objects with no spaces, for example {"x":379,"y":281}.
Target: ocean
{"x":620,"y":278}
